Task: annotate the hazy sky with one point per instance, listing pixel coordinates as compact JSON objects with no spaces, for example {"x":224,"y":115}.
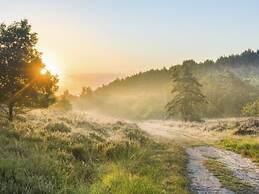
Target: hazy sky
{"x":125,"y":36}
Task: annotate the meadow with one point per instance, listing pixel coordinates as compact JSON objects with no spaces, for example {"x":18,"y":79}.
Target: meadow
{"x":66,"y":153}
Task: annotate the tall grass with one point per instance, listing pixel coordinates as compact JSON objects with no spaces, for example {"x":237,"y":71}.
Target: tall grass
{"x":66,"y":154}
{"x":247,"y":146}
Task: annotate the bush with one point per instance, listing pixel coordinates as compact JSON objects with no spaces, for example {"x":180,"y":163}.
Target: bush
{"x":58,"y":127}
{"x":79,"y":153}
{"x":251,"y":109}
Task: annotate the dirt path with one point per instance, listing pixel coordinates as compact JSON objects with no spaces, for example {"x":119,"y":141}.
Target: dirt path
{"x":198,"y":144}
{"x":202,"y":180}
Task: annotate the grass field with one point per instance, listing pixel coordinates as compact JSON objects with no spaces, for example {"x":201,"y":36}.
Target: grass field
{"x":45,"y":153}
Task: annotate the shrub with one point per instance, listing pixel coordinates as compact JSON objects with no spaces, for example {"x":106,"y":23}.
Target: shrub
{"x":251,"y":109}
{"x":79,"y":153}
{"x":58,"y":127}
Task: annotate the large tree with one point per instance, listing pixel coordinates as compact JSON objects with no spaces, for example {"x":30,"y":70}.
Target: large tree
{"x":187,"y":96}
{"x":22,"y":83}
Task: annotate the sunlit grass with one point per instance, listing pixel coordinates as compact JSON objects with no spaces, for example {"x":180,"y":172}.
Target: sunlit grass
{"x":47,"y":153}
{"x":246,"y":146}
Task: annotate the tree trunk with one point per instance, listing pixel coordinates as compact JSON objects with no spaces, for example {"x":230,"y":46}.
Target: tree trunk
{"x":10,"y":112}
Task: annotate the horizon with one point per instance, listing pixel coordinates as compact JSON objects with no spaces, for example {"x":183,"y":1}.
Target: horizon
{"x":123,"y":38}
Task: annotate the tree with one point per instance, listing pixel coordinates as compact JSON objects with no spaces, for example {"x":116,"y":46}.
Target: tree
{"x":251,"y":109}
{"x":86,"y":92}
{"x":187,"y":96}
{"x":22,"y":83}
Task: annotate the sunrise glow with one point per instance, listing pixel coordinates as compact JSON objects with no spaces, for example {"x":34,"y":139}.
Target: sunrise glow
{"x":51,"y":65}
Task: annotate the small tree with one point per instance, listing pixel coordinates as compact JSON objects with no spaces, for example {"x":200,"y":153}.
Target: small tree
{"x":187,"y":96}
{"x":21,"y":82}
{"x":251,"y":109}
{"x":86,"y":92}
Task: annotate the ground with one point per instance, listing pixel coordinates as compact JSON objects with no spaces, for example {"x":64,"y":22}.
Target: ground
{"x":49,"y":152}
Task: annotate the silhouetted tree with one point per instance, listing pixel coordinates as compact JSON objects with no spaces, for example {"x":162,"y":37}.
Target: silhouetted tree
{"x":187,"y":96}
{"x":21,"y":82}
{"x":86,"y":92}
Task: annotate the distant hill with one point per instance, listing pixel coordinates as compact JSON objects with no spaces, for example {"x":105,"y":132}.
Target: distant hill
{"x":229,"y":83}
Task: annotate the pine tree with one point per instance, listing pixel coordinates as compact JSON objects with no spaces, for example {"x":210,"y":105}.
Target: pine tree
{"x":187,"y":96}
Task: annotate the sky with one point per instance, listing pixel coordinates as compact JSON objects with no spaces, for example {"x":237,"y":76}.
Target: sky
{"x":99,"y":40}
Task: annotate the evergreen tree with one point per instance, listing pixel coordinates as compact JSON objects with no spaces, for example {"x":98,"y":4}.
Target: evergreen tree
{"x":187,"y":96}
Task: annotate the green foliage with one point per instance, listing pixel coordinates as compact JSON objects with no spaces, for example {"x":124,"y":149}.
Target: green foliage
{"x":187,"y":96}
{"x":226,"y":94}
{"x":251,"y":109}
{"x":133,"y":96}
{"x":228,"y":84}
{"x":21,"y":81}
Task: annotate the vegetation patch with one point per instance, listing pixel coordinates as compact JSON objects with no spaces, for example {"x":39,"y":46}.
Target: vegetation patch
{"x":246,"y":146}
{"x":60,"y":126}
{"x":119,"y":181}
{"x":61,"y":158}
{"x":227,"y":179}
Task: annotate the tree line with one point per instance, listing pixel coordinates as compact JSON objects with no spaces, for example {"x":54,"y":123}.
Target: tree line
{"x":227,"y":84}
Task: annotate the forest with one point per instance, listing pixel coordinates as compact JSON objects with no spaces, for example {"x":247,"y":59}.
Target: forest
{"x":229,"y":84}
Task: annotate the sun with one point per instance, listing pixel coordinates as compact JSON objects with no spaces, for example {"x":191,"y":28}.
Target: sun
{"x":51,"y":65}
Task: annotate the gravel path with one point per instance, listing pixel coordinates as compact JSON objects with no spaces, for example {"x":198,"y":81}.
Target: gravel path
{"x":203,"y":181}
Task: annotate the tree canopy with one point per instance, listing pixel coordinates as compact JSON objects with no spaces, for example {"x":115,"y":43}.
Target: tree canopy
{"x":22,"y":83}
